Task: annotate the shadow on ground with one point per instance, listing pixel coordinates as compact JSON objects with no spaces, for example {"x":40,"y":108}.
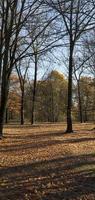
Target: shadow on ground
{"x":68,"y":177}
{"x":41,"y":140}
{"x":55,"y":179}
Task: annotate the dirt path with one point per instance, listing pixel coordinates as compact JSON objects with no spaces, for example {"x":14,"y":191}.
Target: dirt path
{"x":43,"y":163}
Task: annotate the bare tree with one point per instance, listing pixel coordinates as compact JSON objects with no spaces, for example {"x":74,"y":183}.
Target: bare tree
{"x":81,"y":60}
{"x":78,"y":17}
{"x":14,"y":16}
{"x":43,"y":44}
{"x":22,"y":69}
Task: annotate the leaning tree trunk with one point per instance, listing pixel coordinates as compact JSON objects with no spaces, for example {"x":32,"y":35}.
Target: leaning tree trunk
{"x":69,"y":105}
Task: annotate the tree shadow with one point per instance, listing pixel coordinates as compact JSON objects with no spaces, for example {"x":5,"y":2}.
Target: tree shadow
{"x":70,"y":177}
{"x":40,"y":140}
{"x":36,"y":125}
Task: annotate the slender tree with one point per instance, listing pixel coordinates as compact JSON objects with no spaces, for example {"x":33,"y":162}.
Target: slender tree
{"x":22,"y":70}
{"x":80,"y":68}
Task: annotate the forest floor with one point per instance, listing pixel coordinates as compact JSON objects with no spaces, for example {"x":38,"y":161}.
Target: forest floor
{"x":43,"y":163}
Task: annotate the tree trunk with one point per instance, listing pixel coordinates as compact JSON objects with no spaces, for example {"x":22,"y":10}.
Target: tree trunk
{"x":4,"y":94}
{"x":2,"y":112}
{"x":80,"y":106}
{"x":85,"y":116}
{"x":34,"y":91}
{"x":6,"y":117}
{"x":22,"y":108}
{"x":94,"y":98}
{"x":52,"y":105}
{"x":69,"y":105}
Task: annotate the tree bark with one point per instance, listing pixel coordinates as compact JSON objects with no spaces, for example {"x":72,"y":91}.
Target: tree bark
{"x":69,"y":105}
{"x":52,"y":105}
{"x":22,"y":108}
{"x":6,"y":116}
{"x":2,"y":112}
{"x":79,"y":99}
{"x":34,"y":91}
{"x":4,"y":94}
{"x":85,"y":116}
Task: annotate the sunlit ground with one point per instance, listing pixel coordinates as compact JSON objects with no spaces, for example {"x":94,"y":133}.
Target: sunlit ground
{"x":41,"y":162}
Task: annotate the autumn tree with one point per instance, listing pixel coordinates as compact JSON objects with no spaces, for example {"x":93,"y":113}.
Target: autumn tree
{"x":81,"y":60}
{"x":87,"y":98}
{"x":50,"y":92}
{"x":13,"y":103}
{"x":89,"y":48}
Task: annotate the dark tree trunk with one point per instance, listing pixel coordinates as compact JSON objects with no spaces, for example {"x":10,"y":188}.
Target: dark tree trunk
{"x":4,"y":94}
{"x":52,"y":105}
{"x":6,"y":116}
{"x":2,"y":112}
{"x":32,"y":113}
{"x":85,"y":116}
{"x":79,"y":100}
{"x":34,"y":91}
{"x":22,"y":108}
{"x":94,"y":98}
{"x":69,"y":105}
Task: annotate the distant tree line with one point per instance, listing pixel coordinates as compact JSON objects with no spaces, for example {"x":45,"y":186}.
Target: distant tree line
{"x":51,"y":100}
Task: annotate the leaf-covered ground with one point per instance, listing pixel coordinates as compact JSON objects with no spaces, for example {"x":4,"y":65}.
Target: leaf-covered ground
{"x":43,"y":163}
